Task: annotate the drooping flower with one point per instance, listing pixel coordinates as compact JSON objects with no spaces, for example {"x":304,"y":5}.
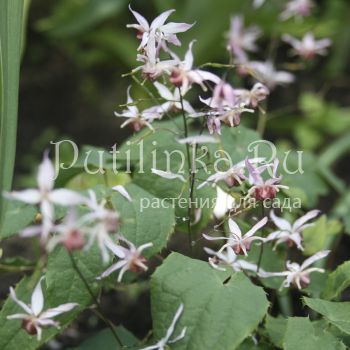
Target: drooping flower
{"x":242,"y":39}
{"x":46,"y":196}
{"x":173,"y":100}
{"x":136,"y":118}
{"x":183,"y":75}
{"x":35,"y":319}
{"x":197,"y":140}
{"x":102,"y":222}
{"x":263,"y":189}
{"x":162,"y":343}
{"x":297,"y":8}
{"x":252,"y":97}
{"x":130,"y":258}
{"x":224,"y":107}
{"x":240,"y":244}
{"x":308,"y":47}
{"x":233,"y":176}
{"x":266,"y":73}
{"x":158,"y":30}
{"x":299,"y":275}
{"x":291,"y":234}
{"x":152,"y":67}
{"x":227,"y":257}
{"x":69,"y":233}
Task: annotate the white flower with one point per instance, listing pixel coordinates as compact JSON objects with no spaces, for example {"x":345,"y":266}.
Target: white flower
{"x":104,"y":221}
{"x":240,"y":244}
{"x":299,"y":275}
{"x":292,"y":234}
{"x":136,"y":118}
{"x":168,"y":175}
{"x":46,"y":196}
{"x":173,"y":100}
{"x":121,"y":189}
{"x":297,"y":8}
{"x":252,"y":97}
{"x":267,"y":74}
{"x":183,"y":75}
{"x":308,"y":47}
{"x":227,"y":257}
{"x":157,"y":30}
{"x":232,"y":176}
{"x":224,"y":202}
{"x":162,"y":343}
{"x":130,"y":258}
{"x":34,"y":318}
{"x":242,"y":39}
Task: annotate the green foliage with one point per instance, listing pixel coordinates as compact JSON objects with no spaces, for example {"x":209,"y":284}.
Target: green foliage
{"x":336,"y":313}
{"x":11,"y":31}
{"x":63,"y":285}
{"x":106,"y":341}
{"x":302,"y":334}
{"x":210,"y":303}
{"x":337,"y":281}
{"x":276,"y":328}
{"x":319,"y":236}
{"x":17,"y":216}
{"x":143,"y":225}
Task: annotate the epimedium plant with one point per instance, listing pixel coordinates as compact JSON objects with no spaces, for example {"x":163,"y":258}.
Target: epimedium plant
{"x":225,"y":204}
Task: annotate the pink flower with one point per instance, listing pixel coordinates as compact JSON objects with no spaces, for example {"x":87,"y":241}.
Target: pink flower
{"x":34,"y":318}
{"x":227,"y":257}
{"x":233,"y":176}
{"x":157,"y":30}
{"x":252,"y":97}
{"x":297,"y":8}
{"x":183,"y":75}
{"x":240,"y":244}
{"x":130,"y":258}
{"x":308,"y":47}
{"x":241,"y":40}
{"x":136,"y":118}
{"x":266,"y":73}
{"x":299,"y":275}
{"x":291,"y":234}
{"x":263,"y":189}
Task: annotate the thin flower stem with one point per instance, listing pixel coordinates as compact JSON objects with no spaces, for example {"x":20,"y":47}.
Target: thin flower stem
{"x":191,"y":173}
{"x":99,"y":311}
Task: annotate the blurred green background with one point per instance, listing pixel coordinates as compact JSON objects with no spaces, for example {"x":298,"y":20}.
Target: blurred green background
{"x":77,"y":50}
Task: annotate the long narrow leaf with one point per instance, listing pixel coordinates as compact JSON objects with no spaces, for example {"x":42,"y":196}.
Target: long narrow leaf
{"x":11,"y":33}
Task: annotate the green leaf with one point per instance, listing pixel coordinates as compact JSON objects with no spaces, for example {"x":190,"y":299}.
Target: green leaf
{"x":318,"y":236}
{"x":141,"y":222}
{"x":18,"y":215}
{"x":336,"y":313}
{"x":63,"y":285}
{"x":301,"y":333}
{"x":106,"y":341}
{"x":11,"y":24}
{"x":276,"y":328}
{"x":217,"y":314}
{"x":342,"y":210}
{"x":337,"y":281}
